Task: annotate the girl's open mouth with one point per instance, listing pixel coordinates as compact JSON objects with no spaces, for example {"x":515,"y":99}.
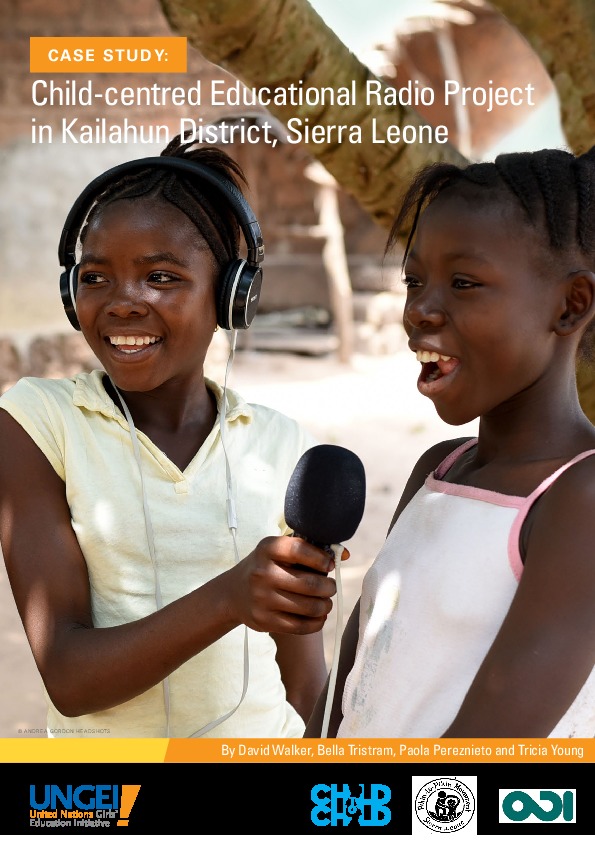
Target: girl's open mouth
{"x":435,"y":368}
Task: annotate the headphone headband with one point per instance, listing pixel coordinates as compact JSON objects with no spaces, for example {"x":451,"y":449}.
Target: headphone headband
{"x":242,"y":210}
{"x":240,"y":288}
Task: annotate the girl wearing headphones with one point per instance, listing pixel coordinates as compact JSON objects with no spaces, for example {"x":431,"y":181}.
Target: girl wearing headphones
{"x":141,"y":505}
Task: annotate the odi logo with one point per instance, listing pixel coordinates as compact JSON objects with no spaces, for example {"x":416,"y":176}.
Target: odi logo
{"x":534,"y":806}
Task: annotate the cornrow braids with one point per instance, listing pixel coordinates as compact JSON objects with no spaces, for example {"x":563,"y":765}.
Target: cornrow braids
{"x":584,"y":167}
{"x":553,"y":188}
{"x":200,"y":201}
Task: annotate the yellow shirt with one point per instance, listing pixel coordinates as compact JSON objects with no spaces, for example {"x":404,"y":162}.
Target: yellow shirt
{"x":87,"y":441}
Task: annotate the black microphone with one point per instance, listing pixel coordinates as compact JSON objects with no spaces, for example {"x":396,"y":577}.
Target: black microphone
{"x":326,"y":495}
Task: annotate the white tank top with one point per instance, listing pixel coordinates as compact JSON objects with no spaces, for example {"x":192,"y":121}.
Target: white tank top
{"x":431,"y":606}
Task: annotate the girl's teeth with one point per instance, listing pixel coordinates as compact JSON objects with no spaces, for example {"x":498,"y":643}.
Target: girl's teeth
{"x":133,"y":340}
{"x":430,"y":357}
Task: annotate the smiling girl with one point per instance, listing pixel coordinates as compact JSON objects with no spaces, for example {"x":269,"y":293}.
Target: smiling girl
{"x":150,"y":611}
{"x":476,"y":619}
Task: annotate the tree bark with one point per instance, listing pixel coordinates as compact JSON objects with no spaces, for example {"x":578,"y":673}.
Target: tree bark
{"x":562,"y":33}
{"x":273,"y":43}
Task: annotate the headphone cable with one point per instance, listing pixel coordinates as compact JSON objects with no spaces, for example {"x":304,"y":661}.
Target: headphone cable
{"x":232,"y":524}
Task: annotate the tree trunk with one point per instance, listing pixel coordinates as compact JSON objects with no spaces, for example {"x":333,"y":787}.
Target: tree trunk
{"x":562,"y":33}
{"x":279,"y":42}
{"x":273,"y":43}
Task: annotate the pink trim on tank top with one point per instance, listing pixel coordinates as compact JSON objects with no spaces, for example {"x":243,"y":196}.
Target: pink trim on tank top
{"x":435,"y":483}
{"x":523,"y":504}
{"x":514,"y":539}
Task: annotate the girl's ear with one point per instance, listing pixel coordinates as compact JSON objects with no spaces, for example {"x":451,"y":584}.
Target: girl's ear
{"x":578,"y":304}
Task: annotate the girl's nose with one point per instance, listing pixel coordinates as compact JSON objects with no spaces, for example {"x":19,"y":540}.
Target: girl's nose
{"x":423,"y":309}
{"x":126,"y":300}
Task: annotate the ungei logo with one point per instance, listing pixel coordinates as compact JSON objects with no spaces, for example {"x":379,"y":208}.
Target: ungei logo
{"x":537,"y":805}
{"x":334,"y":804}
{"x":84,"y":805}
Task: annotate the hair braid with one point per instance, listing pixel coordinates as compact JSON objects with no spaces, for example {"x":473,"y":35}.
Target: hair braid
{"x":519,"y":179}
{"x":555,"y":190}
{"x":584,"y":170}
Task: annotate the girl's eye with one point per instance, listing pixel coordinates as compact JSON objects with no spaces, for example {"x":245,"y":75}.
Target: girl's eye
{"x":411,"y":282}
{"x":90,"y":278}
{"x":464,"y":283}
{"x":161,"y":278}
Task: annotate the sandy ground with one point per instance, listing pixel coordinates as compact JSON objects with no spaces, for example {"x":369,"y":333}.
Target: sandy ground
{"x":370,"y":406}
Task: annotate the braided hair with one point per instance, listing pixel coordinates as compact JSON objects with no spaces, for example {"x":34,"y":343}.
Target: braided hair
{"x":555,"y":190}
{"x":200,"y":201}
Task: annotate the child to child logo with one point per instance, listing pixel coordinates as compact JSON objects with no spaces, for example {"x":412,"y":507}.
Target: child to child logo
{"x":444,"y":805}
{"x":335,"y":805}
{"x":85,"y":805}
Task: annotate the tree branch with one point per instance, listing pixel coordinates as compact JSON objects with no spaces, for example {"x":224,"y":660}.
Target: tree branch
{"x":273,"y":43}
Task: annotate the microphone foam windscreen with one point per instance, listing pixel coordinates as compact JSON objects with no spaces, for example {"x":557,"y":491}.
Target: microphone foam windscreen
{"x":326,"y":495}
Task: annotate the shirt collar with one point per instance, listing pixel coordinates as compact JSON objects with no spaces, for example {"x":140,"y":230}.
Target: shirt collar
{"x":89,"y":393}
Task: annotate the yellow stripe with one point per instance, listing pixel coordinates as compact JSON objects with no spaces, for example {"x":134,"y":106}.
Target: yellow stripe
{"x":98,"y":750}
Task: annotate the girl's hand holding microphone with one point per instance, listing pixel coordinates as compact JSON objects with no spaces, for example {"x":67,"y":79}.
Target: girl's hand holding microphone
{"x":278,"y":588}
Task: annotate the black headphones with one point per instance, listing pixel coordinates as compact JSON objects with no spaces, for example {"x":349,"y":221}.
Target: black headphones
{"x":239,"y":288}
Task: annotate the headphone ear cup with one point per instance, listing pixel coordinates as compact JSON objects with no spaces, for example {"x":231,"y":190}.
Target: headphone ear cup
{"x":68,"y":288}
{"x":238,"y":295}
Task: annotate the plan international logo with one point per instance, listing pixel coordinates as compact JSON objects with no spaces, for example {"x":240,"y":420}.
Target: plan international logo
{"x":82,"y":806}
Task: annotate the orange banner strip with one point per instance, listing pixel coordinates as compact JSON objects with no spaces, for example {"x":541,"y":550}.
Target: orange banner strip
{"x":381,"y":751}
{"x":108,"y":55}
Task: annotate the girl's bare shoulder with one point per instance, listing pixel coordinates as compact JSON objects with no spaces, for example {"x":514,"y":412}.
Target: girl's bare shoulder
{"x":425,"y":465}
